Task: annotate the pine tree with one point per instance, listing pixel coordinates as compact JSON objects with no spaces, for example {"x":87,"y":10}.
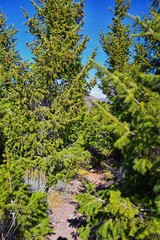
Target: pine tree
{"x":59,"y":80}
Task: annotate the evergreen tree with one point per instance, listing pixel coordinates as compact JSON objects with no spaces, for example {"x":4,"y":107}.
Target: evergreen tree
{"x":22,"y":212}
{"x":116,"y":42}
{"x":59,"y":82}
{"x":129,"y":209}
{"x":7,"y":43}
{"x":148,"y":49}
{"x":42,"y":109}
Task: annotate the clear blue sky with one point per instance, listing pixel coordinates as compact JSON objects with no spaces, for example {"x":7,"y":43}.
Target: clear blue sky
{"x":97,"y":18}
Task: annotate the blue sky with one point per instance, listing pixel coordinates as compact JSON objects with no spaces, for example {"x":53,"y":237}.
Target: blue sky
{"x":97,"y":18}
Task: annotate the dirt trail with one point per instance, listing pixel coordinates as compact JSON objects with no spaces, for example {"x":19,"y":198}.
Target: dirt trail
{"x":66,"y":220}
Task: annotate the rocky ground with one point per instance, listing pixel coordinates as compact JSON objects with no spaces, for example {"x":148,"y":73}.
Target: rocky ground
{"x":65,"y":219}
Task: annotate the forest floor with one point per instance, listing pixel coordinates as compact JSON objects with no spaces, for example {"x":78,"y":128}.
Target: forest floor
{"x":65,"y":219}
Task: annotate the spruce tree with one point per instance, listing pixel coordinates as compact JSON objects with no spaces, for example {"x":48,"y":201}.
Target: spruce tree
{"x":116,"y":42}
{"x":22,"y":211}
{"x":7,"y":43}
{"x":148,"y":50}
{"x":129,"y":209}
{"x":59,"y":80}
{"x":116,"y":45}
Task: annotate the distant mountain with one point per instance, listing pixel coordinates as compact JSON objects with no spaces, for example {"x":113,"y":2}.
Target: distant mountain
{"x":91,"y":98}
{"x":103,"y":99}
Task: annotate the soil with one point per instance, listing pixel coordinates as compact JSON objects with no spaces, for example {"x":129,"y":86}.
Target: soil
{"x":65,"y":219}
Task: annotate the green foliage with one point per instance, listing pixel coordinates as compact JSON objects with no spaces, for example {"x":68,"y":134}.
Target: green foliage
{"x":111,"y":216}
{"x":42,"y":108}
{"x":103,"y":131}
{"x":46,"y":129}
{"x":59,"y":85}
{"x":24,"y":213}
{"x":116,"y":42}
{"x":148,"y":53}
{"x":19,"y":216}
{"x":108,"y":215}
{"x":129,"y":208}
